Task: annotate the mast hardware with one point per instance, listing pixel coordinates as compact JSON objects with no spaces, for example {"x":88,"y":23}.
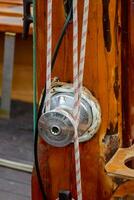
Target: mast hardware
{"x":56,"y":127}
{"x":28,"y":19}
{"x":65,"y":195}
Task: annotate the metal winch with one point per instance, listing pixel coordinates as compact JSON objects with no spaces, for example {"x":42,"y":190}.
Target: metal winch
{"x":56,"y":127}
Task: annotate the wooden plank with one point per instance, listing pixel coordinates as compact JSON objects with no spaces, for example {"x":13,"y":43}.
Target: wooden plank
{"x":17,"y":152}
{"x":15,"y":176}
{"x":117,"y":166}
{"x":125,"y":71}
{"x":15,"y":187}
{"x":131,"y":70}
{"x":12,"y":24}
{"x":16,"y":2}
{"x":17,"y":141}
{"x":9,"y":196}
{"x":11,"y":10}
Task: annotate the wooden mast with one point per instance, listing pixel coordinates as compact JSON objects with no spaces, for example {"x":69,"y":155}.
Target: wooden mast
{"x":103,"y":78}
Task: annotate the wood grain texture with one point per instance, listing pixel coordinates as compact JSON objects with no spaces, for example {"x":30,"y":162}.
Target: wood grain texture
{"x":118,"y":166}
{"x":127,"y":72}
{"x":124,"y":58}
{"x":102,"y":77}
{"x":124,"y":191}
{"x":11,"y":10}
{"x":131,"y":69}
{"x":17,"y":2}
{"x":11,"y":16}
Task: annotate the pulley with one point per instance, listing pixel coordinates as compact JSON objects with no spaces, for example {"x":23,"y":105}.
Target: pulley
{"x":56,"y":127}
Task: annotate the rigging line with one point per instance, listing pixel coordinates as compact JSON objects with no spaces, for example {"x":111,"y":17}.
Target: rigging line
{"x":78,"y":71}
{"x":76,"y":100}
{"x":43,"y":96}
{"x":61,"y":37}
{"x":49,"y":55}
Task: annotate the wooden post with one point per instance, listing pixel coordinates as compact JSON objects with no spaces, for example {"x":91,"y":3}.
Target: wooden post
{"x":8,"y":64}
{"x":102,"y":77}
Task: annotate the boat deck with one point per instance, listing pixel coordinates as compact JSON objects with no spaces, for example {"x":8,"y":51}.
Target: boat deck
{"x":14,"y":185}
{"x":16,"y":144}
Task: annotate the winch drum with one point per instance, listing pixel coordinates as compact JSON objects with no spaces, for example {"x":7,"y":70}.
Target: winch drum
{"x":56,"y":127}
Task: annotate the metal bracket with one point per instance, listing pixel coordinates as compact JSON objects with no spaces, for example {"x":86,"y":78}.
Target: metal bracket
{"x":65,"y":195}
{"x":28,"y":19}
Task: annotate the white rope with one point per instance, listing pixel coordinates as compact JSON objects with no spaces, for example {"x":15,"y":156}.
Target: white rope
{"x":78,"y":79}
{"x":49,"y":54}
{"x":78,"y":71}
{"x":76,"y":100}
{"x":83,"y":42}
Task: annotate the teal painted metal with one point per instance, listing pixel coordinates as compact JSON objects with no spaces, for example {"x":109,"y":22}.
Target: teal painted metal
{"x":34,"y":69}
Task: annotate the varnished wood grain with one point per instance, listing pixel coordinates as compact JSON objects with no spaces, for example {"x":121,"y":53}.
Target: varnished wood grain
{"x":11,"y":10}
{"x":102,"y":76}
{"x":118,"y":167}
{"x":131,"y":69}
{"x":125,"y":91}
{"x":17,"y":2}
{"x":127,"y":72}
{"x":125,"y":190}
{"x":11,"y":16}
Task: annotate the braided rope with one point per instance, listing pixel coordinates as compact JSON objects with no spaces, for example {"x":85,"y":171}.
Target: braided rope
{"x":75,"y":60}
{"x":78,"y":79}
{"x":76,"y":100}
{"x":49,"y":54}
{"x":78,"y":71}
{"x":83,"y":42}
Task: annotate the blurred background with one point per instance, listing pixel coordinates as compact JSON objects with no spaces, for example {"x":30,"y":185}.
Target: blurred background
{"x":16,"y":96}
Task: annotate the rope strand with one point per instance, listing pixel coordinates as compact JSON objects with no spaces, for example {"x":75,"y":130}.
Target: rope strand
{"x":76,"y":100}
{"x":49,"y":54}
{"x":78,"y":72}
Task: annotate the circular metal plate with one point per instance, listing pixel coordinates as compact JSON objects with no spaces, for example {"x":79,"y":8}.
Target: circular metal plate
{"x":66,"y":101}
{"x":56,"y":128}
